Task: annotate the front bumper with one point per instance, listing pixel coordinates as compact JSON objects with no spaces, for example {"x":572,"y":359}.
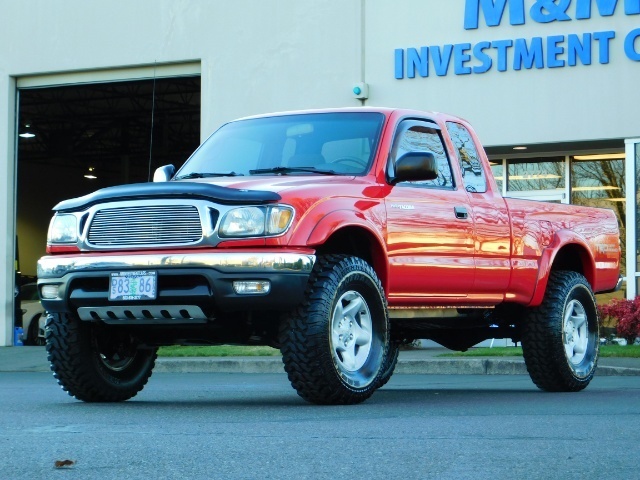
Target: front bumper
{"x":192,"y":282}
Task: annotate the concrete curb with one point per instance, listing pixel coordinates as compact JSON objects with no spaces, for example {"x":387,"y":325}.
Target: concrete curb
{"x":430,"y":366}
{"x":34,"y":359}
{"x":219,"y":365}
{"x":609,"y":371}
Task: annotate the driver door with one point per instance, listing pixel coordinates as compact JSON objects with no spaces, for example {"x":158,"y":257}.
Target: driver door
{"x":429,"y":227}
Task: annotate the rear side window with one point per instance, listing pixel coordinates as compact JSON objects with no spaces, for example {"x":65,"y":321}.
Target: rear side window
{"x":472,"y":171}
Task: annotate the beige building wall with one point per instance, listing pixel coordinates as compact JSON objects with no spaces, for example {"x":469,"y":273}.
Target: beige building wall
{"x":585,"y":102}
{"x":257,"y":56}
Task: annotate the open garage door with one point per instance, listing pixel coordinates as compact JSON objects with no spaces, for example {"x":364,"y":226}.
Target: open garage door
{"x":74,"y":139}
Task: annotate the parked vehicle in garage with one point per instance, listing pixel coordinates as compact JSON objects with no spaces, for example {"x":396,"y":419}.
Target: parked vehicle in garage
{"x":334,"y":235}
{"x":33,"y":316}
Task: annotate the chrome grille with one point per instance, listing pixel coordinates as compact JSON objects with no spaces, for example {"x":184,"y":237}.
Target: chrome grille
{"x":145,"y":225}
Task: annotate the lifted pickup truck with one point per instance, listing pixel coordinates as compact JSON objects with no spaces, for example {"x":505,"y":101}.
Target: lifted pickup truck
{"x":335,"y":236}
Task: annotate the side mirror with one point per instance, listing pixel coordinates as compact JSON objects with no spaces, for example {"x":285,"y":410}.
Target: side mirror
{"x":415,"y":166}
{"x":164,"y":173}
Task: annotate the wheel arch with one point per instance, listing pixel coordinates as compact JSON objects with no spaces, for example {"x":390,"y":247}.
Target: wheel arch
{"x":336,"y":234}
{"x":567,"y":252}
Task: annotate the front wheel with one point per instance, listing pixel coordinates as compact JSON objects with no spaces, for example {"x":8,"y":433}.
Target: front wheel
{"x":560,"y":339}
{"x":334,"y":346}
{"x":96,"y":363}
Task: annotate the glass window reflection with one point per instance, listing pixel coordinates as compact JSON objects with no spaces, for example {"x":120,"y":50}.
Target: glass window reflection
{"x":536,"y":174}
{"x":498,"y":172}
{"x":600,"y":182}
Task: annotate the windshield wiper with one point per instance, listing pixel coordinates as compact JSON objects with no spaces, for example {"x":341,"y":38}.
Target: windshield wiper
{"x":285,"y":170}
{"x":209,"y":174}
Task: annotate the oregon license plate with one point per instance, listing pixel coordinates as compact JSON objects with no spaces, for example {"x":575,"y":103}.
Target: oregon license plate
{"x":133,"y":285}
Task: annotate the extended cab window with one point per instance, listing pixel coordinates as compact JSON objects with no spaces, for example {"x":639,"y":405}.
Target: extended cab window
{"x":472,"y":171}
{"x":417,"y":136}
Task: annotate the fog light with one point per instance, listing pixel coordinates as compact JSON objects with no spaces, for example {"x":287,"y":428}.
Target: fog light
{"x":251,"y":287}
{"x":50,"y":292}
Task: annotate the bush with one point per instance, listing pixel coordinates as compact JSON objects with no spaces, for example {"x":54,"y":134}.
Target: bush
{"x":627,"y":315}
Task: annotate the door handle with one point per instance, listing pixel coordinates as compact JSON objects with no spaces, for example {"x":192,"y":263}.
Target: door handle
{"x":461,"y":212}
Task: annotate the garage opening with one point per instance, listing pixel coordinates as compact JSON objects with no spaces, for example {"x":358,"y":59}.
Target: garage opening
{"x":75,"y":139}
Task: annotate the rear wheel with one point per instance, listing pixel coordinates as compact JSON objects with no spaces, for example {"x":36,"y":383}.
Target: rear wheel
{"x":560,"y":338}
{"x":335,"y":345}
{"x":96,"y":363}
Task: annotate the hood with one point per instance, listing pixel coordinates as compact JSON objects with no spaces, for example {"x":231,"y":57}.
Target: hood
{"x":225,"y":190}
{"x":280,"y":183}
{"x":140,"y":191}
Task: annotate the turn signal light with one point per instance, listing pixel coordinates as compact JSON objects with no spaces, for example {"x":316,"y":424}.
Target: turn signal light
{"x":252,"y":287}
{"x":50,"y":292}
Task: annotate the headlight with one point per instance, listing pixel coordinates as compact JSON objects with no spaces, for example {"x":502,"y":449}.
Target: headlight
{"x":256,"y":221}
{"x":278,"y":219}
{"x":63,"y":229}
{"x":243,"y":222}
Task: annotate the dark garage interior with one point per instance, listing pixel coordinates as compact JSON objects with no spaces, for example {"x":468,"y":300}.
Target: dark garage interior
{"x":75,"y":139}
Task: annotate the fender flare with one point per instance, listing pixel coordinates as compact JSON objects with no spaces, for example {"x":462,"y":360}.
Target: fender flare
{"x":562,"y":239}
{"x":337,"y":220}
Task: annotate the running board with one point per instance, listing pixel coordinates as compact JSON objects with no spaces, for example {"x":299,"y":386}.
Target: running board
{"x":465,"y":311}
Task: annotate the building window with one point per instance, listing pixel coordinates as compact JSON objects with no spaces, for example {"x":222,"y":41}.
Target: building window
{"x":599,"y":181}
{"x":536,"y":174}
{"x":498,"y":173}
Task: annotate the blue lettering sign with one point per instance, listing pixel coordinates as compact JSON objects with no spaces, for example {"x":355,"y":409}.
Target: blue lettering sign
{"x":579,"y":49}
{"x":441,"y":59}
{"x":553,"y":50}
{"x":493,"y":11}
{"x":486,"y":61}
{"x":606,"y":8}
{"x":526,"y":56}
{"x":629,"y":45}
{"x":502,"y":46}
{"x":545,"y":11}
{"x":603,"y":39}
{"x":542,"y":11}
{"x":460,"y":57}
{"x":399,"y":63}
{"x":420,"y":60}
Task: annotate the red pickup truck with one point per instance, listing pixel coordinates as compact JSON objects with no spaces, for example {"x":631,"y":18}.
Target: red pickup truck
{"x":334,"y":235}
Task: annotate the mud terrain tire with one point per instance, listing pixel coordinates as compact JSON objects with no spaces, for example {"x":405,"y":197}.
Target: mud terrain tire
{"x":560,"y":338}
{"x":334,"y":346}
{"x":96,"y":363}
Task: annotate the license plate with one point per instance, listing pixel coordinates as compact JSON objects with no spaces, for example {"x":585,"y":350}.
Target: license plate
{"x":133,"y":286}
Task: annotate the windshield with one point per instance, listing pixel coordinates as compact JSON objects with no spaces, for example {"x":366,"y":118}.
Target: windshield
{"x":323,"y":143}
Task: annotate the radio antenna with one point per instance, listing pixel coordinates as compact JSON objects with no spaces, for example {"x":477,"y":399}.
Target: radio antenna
{"x":153,"y":111}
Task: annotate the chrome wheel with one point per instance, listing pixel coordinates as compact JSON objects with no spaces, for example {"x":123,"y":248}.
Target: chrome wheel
{"x":351,"y":332}
{"x":116,"y":350}
{"x":116,"y":362}
{"x":575,"y":333}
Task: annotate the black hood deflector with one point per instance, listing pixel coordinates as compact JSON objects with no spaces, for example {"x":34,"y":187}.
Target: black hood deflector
{"x":186,"y":190}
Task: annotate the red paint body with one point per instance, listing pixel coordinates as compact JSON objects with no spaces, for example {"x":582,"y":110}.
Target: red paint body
{"x":425,"y":256}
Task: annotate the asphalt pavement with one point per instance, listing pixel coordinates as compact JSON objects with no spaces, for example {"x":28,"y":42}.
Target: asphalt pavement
{"x":254,"y":426}
{"x":427,"y":361}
